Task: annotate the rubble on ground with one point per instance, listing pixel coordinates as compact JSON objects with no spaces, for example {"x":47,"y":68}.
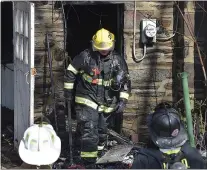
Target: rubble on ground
{"x":9,"y":156}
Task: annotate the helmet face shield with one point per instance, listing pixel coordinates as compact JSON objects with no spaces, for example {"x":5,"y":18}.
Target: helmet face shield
{"x":103,"y":46}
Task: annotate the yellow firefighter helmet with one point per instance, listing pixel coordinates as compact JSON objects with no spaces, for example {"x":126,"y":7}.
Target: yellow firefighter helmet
{"x":103,"y":40}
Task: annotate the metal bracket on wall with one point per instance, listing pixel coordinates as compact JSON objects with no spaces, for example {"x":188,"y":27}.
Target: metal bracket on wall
{"x":32,"y":71}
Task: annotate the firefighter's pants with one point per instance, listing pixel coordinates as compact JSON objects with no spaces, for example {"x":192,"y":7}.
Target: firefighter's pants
{"x":92,"y":128}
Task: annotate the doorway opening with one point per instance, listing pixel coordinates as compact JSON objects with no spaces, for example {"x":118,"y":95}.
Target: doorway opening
{"x":7,"y":33}
{"x":11,"y":158}
{"x":7,"y":67}
{"x":82,"y":23}
{"x":84,"y":20}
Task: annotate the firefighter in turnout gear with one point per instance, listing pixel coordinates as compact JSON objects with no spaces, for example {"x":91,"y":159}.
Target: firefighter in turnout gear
{"x":102,"y":88}
{"x":170,"y":148}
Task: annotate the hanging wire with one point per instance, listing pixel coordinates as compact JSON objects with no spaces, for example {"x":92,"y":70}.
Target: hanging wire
{"x":68,"y":12}
{"x":100,"y":17}
{"x":196,"y":43}
{"x":65,"y":33}
{"x":52,"y":10}
{"x":51,"y":80}
{"x":100,"y":23}
{"x":190,"y":21}
{"x":201,"y":7}
{"x":103,"y":15}
{"x":203,"y":16}
{"x":76,"y":13}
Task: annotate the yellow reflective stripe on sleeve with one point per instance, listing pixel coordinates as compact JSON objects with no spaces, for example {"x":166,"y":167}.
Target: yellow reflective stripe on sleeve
{"x":89,"y":154}
{"x":87,"y":78}
{"x":124,"y":95}
{"x":85,"y":101}
{"x":72,"y":69}
{"x":105,"y":109}
{"x":108,"y":109}
{"x":68,"y":85}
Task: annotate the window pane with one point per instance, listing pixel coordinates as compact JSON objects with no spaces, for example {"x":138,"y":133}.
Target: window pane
{"x":21,"y":43}
{"x":17,"y":21}
{"x":17,"y":46}
{"x":21,"y":22}
{"x":26,"y":44}
{"x":26,"y":24}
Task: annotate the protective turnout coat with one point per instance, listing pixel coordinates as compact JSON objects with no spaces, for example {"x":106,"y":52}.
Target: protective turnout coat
{"x":101,"y":82}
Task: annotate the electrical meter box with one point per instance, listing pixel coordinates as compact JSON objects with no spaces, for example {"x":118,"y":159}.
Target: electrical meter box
{"x":148,"y":31}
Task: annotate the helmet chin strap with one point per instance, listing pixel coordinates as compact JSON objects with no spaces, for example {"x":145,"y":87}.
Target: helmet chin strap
{"x":171,"y":150}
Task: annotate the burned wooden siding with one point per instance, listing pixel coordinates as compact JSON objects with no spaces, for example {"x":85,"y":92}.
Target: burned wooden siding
{"x":152,"y":77}
{"x":201,"y":34}
{"x":187,"y":59}
{"x":48,"y":20}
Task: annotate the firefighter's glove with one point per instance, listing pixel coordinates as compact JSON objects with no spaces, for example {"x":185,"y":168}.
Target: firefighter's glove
{"x":121,"y":106}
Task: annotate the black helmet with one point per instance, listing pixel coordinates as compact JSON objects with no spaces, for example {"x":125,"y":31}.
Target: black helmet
{"x":166,"y":129}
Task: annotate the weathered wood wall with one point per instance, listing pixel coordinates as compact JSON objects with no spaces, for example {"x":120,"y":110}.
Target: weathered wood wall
{"x":152,"y":77}
{"x":156,"y":75}
{"x":48,"y":20}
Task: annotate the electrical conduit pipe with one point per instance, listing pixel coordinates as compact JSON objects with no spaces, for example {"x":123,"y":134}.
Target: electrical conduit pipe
{"x":134,"y":39}
{"x":186,"y":95}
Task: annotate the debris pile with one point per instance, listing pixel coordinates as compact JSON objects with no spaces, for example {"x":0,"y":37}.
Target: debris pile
{"x":9,"y":156}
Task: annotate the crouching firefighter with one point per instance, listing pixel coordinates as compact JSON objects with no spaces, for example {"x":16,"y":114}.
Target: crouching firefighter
{"x":170,"y":148}
{"x":102,"y":88}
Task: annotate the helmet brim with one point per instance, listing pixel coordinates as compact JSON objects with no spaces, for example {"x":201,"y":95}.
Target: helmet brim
{"x":103,"y":47}
{"x":40,"y":158}
{"x":172,"y":142}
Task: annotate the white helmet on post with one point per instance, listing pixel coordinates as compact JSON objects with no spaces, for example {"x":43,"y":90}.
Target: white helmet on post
{"x":40,"y":145}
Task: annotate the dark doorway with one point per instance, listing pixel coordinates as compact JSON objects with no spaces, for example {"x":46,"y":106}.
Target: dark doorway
{"x":84,"y":20}
{"x":7,"y":117}
{"x":7,"y":32}
{"x":10,"y":157}
{"x":201,"y":35}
